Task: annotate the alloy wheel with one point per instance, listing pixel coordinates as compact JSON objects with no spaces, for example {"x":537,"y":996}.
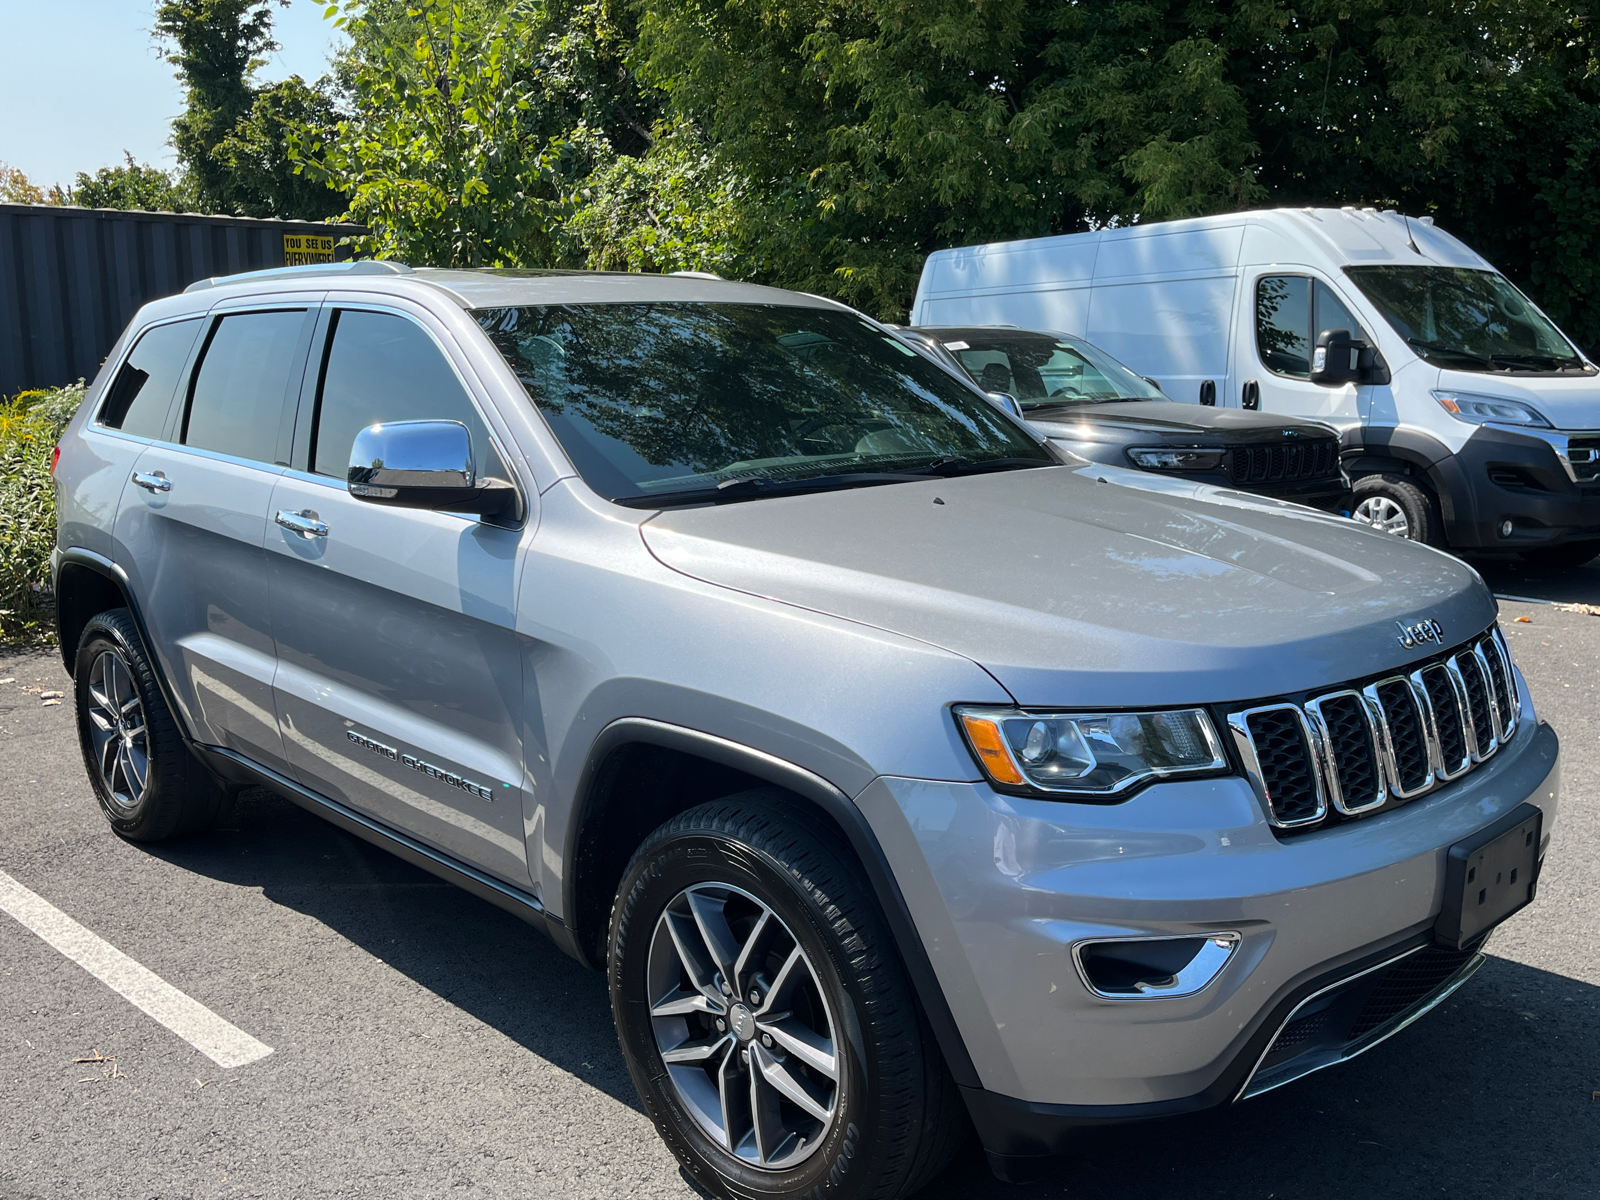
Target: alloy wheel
{"x":117,"y":730}
{"x":743,"y":1026}
{"x":1383,"y":513}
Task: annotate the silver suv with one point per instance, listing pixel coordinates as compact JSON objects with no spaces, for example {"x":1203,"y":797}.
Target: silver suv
{"x":899,"y":775}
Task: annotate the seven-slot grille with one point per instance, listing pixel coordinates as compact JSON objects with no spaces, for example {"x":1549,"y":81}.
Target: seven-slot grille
{"x":1354,"y":750}
{"x":1283,"y":464}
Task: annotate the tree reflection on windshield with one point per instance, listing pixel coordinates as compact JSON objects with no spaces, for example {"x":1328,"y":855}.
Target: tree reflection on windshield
{"x":653,"y":398}
{"x":1467,"y":320}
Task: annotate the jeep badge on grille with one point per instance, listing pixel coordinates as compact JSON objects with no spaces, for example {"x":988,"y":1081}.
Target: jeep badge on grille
{"x":1426,"y":630}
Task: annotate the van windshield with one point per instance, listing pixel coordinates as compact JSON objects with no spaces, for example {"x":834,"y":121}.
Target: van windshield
{"x":1466,"y":320}
{"x":693,"y":402}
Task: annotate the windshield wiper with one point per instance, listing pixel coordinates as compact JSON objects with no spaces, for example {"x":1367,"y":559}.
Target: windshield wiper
{"x":753,"y":487}
{"x":947,"y":467}
{"x":1537,"y":362}
{"x":1428,"y":348}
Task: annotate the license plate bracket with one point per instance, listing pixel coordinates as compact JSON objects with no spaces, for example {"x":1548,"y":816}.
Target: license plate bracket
{"x":1489,"y":876}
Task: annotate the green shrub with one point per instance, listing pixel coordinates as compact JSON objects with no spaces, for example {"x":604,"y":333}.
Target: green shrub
{"x":30,"y":426}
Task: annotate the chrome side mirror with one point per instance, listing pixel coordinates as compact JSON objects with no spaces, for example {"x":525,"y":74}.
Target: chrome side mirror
{"x":423,"y":464}
{"x":1006,"y":401}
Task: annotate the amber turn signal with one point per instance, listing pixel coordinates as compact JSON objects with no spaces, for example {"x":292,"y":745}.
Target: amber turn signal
{"x":986,"y":738}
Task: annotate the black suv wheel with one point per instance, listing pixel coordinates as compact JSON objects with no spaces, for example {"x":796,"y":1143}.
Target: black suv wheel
{"x":765,"y":1017}
{"x":149,"y":786}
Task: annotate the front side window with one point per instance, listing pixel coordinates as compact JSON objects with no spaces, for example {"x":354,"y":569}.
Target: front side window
{"x":236,"y":404}
{"x":1041,"y":369}
{"x":138,"y":400}
{"x":1466,"y":320}
{"x":683,"y":402}
{"x":381,"y":367}
{"x":1292,"y":312}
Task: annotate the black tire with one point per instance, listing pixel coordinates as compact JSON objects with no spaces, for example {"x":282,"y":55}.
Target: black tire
{"x":898,"y":1117}
{"x":1386,"y":494}
{"x":1572,"y":554}
{"x":175,"y":794}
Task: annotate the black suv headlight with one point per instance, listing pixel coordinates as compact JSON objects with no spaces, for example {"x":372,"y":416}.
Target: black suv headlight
{"x":1092,"y":755}
{"x":1154,"y":458}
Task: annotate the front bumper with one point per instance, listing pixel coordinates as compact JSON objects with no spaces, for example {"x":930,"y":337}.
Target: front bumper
{"x":1518,"y":476}
{"x":1002,"y":888}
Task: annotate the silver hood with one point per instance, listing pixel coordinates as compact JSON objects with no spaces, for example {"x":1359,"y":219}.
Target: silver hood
{"x":1092,"y":586}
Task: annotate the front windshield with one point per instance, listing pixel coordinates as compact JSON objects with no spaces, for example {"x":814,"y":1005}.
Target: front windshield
{"x":1041,"y":369}
{"x":1466,"y":320}
{"x":685,"y":400}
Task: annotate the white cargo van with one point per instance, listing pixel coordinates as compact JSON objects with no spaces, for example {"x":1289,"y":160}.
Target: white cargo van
{"x":1467,"y":418}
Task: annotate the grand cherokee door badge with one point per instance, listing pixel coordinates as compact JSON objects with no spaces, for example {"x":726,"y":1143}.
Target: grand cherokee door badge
{"x":417,"y":764}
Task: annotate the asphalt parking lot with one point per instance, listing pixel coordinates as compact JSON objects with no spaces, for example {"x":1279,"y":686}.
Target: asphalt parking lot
{"x":425,"y":1044}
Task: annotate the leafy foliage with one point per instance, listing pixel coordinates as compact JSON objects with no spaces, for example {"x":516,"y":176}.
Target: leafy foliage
{"x":17,"y":188}
{"x":30,"y":426}
{"x":443,"y":158}
{"x":674,"y":209}
{"x":132,"y":185}
{"x":232,"y":136}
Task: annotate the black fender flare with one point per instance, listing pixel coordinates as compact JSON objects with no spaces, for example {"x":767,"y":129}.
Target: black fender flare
{"x":818,"y":791}
{"x":1430,"y":457}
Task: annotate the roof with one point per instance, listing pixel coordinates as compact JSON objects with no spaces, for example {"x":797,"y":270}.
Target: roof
{"x":504,"y":287}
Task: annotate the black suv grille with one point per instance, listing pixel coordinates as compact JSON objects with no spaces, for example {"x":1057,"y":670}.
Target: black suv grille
{"x":1288,"y":463}
{"x":1365,"y":747}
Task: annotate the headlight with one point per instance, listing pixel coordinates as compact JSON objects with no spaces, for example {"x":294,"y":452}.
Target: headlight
{"x":1093,"y":755}
{"x":1467,"y":406}
{"x":1177,"y":460}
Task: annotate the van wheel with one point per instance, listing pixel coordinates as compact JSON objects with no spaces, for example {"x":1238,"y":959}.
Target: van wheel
{"x":1395,"y":505}
{"x":1573,"y":554}
{"x":149,"y":786}
{"x":765,"y":1017}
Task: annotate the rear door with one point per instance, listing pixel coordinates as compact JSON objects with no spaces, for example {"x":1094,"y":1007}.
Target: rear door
{"x":193,"y":518}
{"x":399,"y":674}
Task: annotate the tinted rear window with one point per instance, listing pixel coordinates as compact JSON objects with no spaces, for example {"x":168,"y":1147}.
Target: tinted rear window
{"x":142,"y":393}
{"x":236,"y":405}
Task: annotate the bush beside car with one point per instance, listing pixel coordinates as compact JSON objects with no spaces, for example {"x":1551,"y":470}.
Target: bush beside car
{"x":30,"y":425}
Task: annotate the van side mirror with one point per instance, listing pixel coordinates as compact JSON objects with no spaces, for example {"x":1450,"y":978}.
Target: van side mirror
{"x":1006,"y":401}
{"x":1340,"y":359}
{"x":423,"y":464}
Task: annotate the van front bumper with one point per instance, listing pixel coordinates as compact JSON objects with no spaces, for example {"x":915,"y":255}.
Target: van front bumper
{"x":1003,"y":888}
{"x":1525,"y":477}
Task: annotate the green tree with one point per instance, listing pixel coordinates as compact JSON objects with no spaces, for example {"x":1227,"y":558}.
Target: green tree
{"x":472,"y":124}
{"x":232,"y":136}
{"x":132,"y":185}
{"x":17,"y":188}
{"x":672,"y":209}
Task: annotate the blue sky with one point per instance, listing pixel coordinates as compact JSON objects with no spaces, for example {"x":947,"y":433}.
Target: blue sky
{"x":82,"y":82}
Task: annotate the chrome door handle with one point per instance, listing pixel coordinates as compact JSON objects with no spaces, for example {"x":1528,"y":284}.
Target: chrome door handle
{"x":152,"y":483}
{"x":304,"y":523}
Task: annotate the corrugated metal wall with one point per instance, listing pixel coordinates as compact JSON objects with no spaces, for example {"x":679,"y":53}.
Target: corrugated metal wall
{"x":70,"y":278}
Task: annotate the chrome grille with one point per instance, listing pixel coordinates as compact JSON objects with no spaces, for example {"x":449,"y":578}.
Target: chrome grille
{"x":1583,"y":453}
{"x":1356,"y":750}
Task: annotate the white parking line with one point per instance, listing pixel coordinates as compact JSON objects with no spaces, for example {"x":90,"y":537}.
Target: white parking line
{"x":224,"y":1044}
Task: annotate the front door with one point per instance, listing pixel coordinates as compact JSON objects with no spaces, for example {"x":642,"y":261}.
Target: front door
{"x":193,"y":517}
{"x":399,"y":678}
{"x":1287,"y":312}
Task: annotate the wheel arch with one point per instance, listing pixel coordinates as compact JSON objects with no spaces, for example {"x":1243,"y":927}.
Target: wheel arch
{"x":86,"y":584}
{"x":1420,"y":456}
{"x":608,"y":825}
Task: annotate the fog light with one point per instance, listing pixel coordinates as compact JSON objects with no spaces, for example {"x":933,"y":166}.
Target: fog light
{"x":1505,"y":528}
{"x":1153,"y":968}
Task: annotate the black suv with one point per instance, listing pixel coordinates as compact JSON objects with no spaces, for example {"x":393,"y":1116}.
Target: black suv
{"x":1087,"y":402}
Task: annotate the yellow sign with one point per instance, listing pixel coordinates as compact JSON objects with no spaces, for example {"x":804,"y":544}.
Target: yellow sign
{"x":300,"y":248}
